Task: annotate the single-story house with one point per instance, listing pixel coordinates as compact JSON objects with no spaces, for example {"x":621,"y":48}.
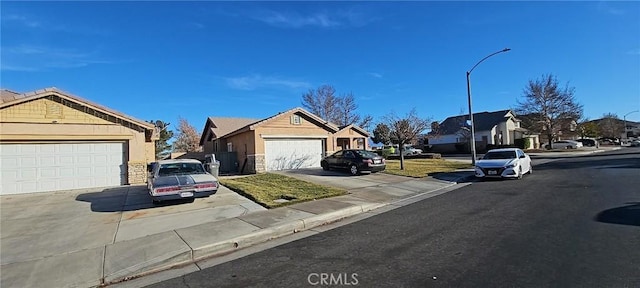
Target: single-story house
{"x":51,"y":140}
{"x":288,"y":140}
{"x":491,"y":128}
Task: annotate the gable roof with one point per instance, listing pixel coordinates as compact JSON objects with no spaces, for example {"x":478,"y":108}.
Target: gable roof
{"x":10,"y":98}
{"x":219,"y":127}
{"x":354,"y":127}
{"x":234,"y":126}
{"x":482,"y":121}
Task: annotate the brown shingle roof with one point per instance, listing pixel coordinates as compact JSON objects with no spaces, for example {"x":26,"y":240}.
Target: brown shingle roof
{"x":224,"y":125}
{"x":8,"y":95}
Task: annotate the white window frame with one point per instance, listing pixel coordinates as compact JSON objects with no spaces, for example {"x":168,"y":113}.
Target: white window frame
{"x":229,"y":147}
{"x":296,"y":120}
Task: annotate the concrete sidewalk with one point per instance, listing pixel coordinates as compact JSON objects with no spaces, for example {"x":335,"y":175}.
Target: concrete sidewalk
{"x":89,"y":266}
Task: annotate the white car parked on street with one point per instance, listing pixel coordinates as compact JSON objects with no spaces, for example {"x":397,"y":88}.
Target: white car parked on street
{"x":565,"y":144}
{"x":503,"y":163}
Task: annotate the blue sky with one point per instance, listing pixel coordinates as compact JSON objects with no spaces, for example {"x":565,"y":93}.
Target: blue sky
{"x":161,"y":60}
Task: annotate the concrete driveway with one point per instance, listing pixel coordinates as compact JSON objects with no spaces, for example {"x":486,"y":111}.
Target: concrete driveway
{"x":38,"y":225}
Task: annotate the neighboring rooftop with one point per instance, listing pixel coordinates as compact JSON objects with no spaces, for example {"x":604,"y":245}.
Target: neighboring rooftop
{"x":482,"y":121}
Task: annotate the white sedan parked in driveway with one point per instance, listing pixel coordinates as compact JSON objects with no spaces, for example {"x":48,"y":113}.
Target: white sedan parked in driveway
{"x":503,"y":163}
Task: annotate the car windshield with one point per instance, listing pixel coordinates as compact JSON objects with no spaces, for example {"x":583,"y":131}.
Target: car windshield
{"x":500,"y":155}
{"x":180,"y":169}
{"x":366,"y":154}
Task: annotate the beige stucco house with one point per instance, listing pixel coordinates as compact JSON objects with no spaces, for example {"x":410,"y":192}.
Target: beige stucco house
{"x":491,"y":129}
{"x":51,"y":140}
{"x":288,"y":140}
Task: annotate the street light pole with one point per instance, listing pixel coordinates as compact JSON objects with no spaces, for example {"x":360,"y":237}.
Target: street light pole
{"x":626,"y":136}
{"x":473,"y":132}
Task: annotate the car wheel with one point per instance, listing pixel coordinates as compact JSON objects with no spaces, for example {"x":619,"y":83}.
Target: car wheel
{"x":520,"y":173}
{"x":530,"y":169}
{"x":354,"y":169}
{"x":325,"y":166}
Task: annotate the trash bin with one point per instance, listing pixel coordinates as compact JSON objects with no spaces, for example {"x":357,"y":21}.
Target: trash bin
{"x":214,"y":168}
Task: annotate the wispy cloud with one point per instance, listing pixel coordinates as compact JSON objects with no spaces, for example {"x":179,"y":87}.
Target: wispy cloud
{"x":196,"y":25}
{"x":22,"y":20}
{"x":253,"y":82}
{"x":375,"y":74}
{"x":634,"y":52}
{"x":36,"y":58}
{"x":323,"y":19}
{"x":606,"y":7}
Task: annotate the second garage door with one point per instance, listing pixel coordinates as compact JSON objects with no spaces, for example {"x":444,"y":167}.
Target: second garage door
{"x":28,"y":168}
{"x":284,"y":154}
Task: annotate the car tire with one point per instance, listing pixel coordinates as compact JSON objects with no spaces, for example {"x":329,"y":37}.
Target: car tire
{"x":530,"y":169}
{"x":569,"y":147}
{"x":325,"y":166}
{"x":353,"y":169}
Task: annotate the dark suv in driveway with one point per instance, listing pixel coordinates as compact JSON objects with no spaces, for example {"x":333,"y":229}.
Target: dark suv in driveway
{"x":587,"y":142}
{"x":355,"y":161}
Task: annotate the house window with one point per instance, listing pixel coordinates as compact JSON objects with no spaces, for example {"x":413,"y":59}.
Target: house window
{"x":296,"y":120}
{"x":229,"y":147}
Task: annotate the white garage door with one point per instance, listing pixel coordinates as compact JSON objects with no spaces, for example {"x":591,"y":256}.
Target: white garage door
{"x":283,"y":154}
{"x":28,"y":168}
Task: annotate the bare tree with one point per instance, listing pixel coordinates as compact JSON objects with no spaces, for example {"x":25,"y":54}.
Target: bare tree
{"x":188,"y":139}
{"x":340,"y":110}
{"x":549,"y":105}
{"x":322,"y":102}
{"x":610,"y":125}
{"x":404,"y":130}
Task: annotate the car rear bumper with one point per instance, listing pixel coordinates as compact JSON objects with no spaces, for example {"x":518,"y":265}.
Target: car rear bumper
{"x":374,"y":168}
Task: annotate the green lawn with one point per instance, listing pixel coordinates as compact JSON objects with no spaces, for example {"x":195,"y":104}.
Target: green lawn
{"x":265,"y":188}
{"x":423,"y":167}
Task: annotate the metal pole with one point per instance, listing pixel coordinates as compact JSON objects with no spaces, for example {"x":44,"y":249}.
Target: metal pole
{"x":473,"y":132}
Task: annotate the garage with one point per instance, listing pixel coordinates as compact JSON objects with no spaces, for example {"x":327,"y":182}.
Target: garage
{"x":285,"y":154}
{"x":28,"y":168}
{"x":51,"y":140}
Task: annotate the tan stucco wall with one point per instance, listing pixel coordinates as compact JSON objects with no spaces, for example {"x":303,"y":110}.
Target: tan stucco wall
{"x":282,"y":126}
{"x":46,"y":111}
{"x":352,"y":134}
{"x":243,"y":144}
{"x":45,"y":120}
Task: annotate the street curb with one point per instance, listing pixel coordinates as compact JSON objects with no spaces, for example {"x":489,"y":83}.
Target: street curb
{"x":197,"y":254}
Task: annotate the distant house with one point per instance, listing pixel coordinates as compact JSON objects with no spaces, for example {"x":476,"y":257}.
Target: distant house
{"x":288,"y":140}
{"x":491,"y":128}
{"x":564,"y":129}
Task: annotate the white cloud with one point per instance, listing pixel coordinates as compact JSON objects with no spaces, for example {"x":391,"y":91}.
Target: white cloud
{"x":23,"y":20}
{"x":36,"y":58}
{"x":258,"y":81}
{"x":607,"y":8}
{"x":375,"y":75}
{"x":323,"y":19}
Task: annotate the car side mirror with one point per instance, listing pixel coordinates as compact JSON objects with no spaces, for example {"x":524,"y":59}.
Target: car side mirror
{"x":523,"y":156}
{"x":149,"y":167}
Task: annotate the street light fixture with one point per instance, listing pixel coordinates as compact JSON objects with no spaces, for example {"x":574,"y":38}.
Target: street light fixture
{"x":626,"y":136}
{"x":473,"y":132}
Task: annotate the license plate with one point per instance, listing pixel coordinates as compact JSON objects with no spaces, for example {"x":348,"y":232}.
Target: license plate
{"x":376,"y":161}
{"x":186,"y":194}
{"x":493,"y":172}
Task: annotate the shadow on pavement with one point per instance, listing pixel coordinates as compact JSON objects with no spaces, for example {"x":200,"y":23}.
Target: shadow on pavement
{"x":125,"y":198}
{"x":459,"y":177}
{"x":625,"y":215}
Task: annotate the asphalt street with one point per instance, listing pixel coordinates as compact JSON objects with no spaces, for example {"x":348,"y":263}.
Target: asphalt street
{"x":575,"y":222}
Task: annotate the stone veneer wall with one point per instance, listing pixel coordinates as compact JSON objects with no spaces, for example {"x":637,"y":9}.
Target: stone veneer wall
{"x":259,"y":163}
{"x":137,"y":172}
